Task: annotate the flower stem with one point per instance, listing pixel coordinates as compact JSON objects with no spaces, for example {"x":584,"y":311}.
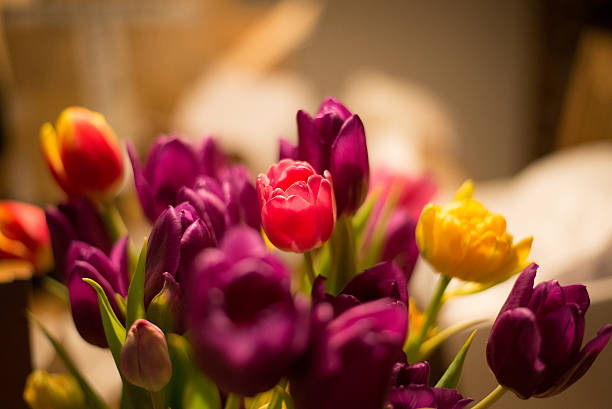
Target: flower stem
{"x":415,"y":342}
{"x":310,"y":273}
{"x":343,"y":266}
{"x":491,"y":398}
{"x":233,"y":401}
{"x":158,"y":399}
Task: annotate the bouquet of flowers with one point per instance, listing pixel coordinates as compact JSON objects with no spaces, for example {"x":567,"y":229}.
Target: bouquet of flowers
{"x":209,"y":314}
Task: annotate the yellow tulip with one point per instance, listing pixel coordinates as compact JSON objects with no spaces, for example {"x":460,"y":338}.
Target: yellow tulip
{"x":463,"y":239}
{"x":53,"y":391}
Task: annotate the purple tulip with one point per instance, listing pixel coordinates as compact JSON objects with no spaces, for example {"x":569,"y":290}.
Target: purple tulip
{"x":385,"y":280}
{"x":178,"y":235}
{"x":75,"y":221}
{"x":85,"y":261}
{"x":350,"y":359}
{"x":171,"y":165}
{"x":246,"y":328}
{"x":411,"y":391}
{"x":534,"y":345}
{"x":334,"y":140}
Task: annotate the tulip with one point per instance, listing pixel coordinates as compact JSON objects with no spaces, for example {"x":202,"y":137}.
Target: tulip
{"x":75,"y":221}
{"x":177,"y":237}
{"x":534,"y":345}
{"x":350,"y":360}
{"x":411,"y":391}
{"x":465,"y":240}
{"x":83,"y":154}
{"x":53,"y":391}
{"x":246,"y":328}
{"x":171,"y":165}
{"x":385,"y":280}
{"x":298,"y":208}
{"x":111,"y":273}
{"x":24,"y":235}
{"x":335,"y":141}
{"x":145,"y":360}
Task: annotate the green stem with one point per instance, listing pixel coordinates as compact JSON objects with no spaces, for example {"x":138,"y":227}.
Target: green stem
{"x":158,"y":399}
{"x":431,"y":314}
{"x":310,"y":273}
{"x":233,"y":401}
{"x":491,"y":398}
{"x":343,"y":266}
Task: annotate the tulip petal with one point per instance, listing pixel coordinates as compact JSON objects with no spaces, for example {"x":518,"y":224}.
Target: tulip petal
{"x":331,"y":105}
{"x":516,"y":365}
{"x":349,"y":166}
{"x":587,"y":356}
{"x":145,"y":193}
{"x":163,"y":252}
{"x":412,"y":397}
{"x":119,"y":257}
{"x":62,"y":234}
{"x":521,"y":291}
{"x":383,"y":280}
{"x":577,"y":294}
{"x":309,"y":143}
{"x":50,"y":149}
{"x":84,"y":302}
{"x":450,"y":399}
{"x":287,"y":150}
{"x":406,"y":374}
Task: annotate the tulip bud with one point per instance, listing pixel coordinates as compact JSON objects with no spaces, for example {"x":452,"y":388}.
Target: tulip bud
{"x":53,"y":391}
{"x":24,"y":235}
{"x":145,"y":361}
{"x":298,"y":208}
{"x":83,"y":154}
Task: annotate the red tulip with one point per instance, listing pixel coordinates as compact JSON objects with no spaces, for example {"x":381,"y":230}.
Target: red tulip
{"x":24,"y":234}
{"x":298,"y":207}
{"x":83,"y":154}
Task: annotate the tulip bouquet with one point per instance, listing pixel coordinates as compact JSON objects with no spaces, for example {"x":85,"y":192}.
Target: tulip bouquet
{"x":209,"y":313}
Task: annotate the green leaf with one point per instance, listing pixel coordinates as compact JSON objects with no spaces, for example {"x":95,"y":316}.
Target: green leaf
{"x":113,"y":329}
{"x":362,"y":216}
{"x":450,"y":379}
{"x":189,"y":388}
{"x":135,"y":300}
{"x":92,"y":398}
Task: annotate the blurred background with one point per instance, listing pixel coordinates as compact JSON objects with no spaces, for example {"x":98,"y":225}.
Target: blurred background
{"x":516,"y":95}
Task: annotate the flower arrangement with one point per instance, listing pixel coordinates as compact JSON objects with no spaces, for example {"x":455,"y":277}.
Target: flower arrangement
{"x":208,"y":315}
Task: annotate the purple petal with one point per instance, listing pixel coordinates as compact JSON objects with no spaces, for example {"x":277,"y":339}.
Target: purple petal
{"x":547,"y":296}
{"x":412,"y":397}
{"x":119,"y":257}
{"x":84,"y":303}
{"x":310,"y":145}
{"x":61,"y":233}
{"x":405,"y":374}
{"x":287,"y":150}
{"x":213,"y":159}
{"x":163,"y":252}
{"x":333,"y":106}
{"x":513,"y":351}
{"x":400,"y":243}
{"x":561,"y":332}
{"x":145,"y":193}
{"x":577,"y":294}
{"x":587,"y":356}
{"x":449,"y":399}
{"x":197,"y":237}
{"x":521,"y":291}
{"x":383,"y":280}
{"x":82,"y":252}
{"x":241,"y":242}
{"x":349,"y":166}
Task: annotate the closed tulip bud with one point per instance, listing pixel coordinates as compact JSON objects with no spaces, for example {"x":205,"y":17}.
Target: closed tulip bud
{"x":298,"y":208}
{"x":145,"y":361}
{"x":24,"y":235}
{"x":83,"y":154}
{"x":334,"y":140}
{"x":534,"y":348}
{"x":463,"y":239}
{"x":53,"y":391}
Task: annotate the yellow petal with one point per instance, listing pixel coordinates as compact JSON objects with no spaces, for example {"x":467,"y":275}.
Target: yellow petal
{"x":466,"y":191}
